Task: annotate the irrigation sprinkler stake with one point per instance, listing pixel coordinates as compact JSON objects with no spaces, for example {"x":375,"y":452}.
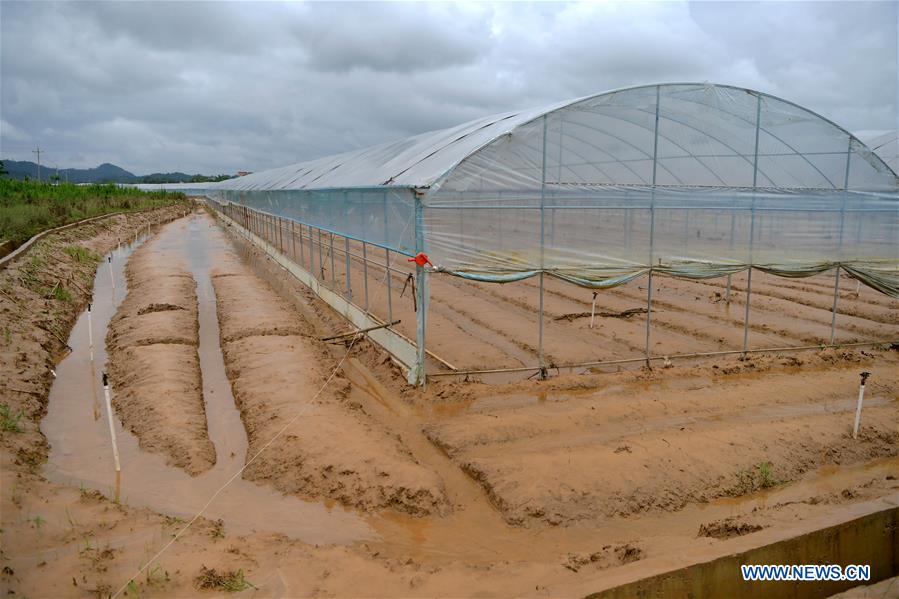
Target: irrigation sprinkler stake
{"x":90,"y":341}
{"x":115,"y":446}
{"x":111,"y":275}
{"x":593,"y":308}
{"x":858,"y":408}
{"x":90,"y":333}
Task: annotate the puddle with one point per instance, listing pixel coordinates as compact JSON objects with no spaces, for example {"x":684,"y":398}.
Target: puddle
{"x":78,"y":433}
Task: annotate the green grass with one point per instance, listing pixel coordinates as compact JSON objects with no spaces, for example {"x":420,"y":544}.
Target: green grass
{"x":8,"y":422}
{"x":766,"y":476}
{"x":760,"y":477}
{"x":82,"y":255}
{"x":62,"y":294}
{"x":29,"y":207}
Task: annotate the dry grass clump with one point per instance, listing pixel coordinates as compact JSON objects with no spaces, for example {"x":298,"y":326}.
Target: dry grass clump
{"x":231,"y":581}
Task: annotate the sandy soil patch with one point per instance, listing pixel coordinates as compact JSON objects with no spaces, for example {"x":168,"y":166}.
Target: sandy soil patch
{"x":154,"y":366}
{"x":333,"y":449}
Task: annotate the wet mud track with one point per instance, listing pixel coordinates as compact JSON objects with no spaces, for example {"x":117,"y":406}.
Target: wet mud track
{"x":80,"y":445}
{"x":330,"y":448}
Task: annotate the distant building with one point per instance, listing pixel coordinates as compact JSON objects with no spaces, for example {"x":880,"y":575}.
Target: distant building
{"x":244,"y":173}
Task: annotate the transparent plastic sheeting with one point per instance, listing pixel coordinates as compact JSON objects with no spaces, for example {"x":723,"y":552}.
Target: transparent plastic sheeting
{"x":384,"y":217}
{"x":605,"y":237}
{"x":887,"y":147}
{"x":693,"y":180}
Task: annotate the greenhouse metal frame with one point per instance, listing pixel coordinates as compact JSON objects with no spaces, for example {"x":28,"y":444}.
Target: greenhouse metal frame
{"x":688,"y":180}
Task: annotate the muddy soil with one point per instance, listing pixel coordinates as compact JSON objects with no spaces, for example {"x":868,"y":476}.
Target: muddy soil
{"x":629,"y":446}
{"x":540,"y":445}
{"x":154,"y":366}
{"x":41,"y":294}
{"x":331,"y":448}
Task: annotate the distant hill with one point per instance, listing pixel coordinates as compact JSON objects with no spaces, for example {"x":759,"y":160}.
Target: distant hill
{"x":105,"y":173}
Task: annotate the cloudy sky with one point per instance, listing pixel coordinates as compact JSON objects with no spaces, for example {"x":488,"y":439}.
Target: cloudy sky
{"x":223,"y":86}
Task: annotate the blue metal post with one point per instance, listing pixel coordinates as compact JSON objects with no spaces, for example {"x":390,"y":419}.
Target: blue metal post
{"x":417,"y":375}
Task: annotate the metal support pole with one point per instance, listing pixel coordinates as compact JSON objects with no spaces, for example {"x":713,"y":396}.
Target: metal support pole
{"x":389,"y":288}
{"x":321,"y":258}
{"x":836,"y":295}
{"x":294,"y":230}
{"x":417,"y":375}
{"x":311,"y":250}
{"x":540,"y":354}
{"x":333,"y":270}
{"x":755,"y":171}
{"x":746,"y":316}
{"x":349,"y":288}
{"x":648,"y":319}
{"x":365,"y":272}
{"x":652,"y":227}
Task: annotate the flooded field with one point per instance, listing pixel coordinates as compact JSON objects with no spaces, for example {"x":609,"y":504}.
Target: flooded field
{"x":316,"y":468}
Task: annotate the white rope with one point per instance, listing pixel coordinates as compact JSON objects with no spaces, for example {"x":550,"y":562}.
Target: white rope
{"x":240,"y":471}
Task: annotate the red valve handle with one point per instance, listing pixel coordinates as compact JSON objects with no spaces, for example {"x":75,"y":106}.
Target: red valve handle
{"x":420,"y":259}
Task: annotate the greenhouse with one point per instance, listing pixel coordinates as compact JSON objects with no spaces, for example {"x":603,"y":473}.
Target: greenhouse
{"x":686,"y":180}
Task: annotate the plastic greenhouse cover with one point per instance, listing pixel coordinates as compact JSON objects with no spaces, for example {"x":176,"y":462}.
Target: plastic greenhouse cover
{"x":887,"y":147}
{"x":693,"y":180}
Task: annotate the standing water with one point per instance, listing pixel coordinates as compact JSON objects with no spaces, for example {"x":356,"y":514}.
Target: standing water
{"x":79,"y":437}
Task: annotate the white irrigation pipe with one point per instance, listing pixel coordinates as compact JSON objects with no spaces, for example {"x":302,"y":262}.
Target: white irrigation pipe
{"x":90,"y":341}
{"x":240,"y":470}
{"x":111,"y":275}
{"x":858,"y":408}
{"x":115,"y":446}
{"x":90,"y":333}
{"x":593,"y":309}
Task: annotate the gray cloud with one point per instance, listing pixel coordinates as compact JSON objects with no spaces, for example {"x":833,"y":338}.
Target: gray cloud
{"x":218,"y":87}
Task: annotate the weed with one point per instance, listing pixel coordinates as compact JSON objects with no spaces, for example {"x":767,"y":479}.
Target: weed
{"x":82,"y":255}
{"x":766,"y":476}
{"x":156,"y":576}
{"x":7,"y":336}
{"x":760,"y":477}
{"x":72,"y":522}
{"x":8,"y":422}
{"x":231,"y":582}
{"x":38,"y":521}
{"x":218,"y":529}
{"x":62,"y":294}
{"x":131,"y":590}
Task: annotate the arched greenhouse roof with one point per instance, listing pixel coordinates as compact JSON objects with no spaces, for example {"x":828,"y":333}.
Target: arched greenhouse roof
{"x":689,"y":179}
{"x":707,"y":136}
{"x":887,"y":147}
